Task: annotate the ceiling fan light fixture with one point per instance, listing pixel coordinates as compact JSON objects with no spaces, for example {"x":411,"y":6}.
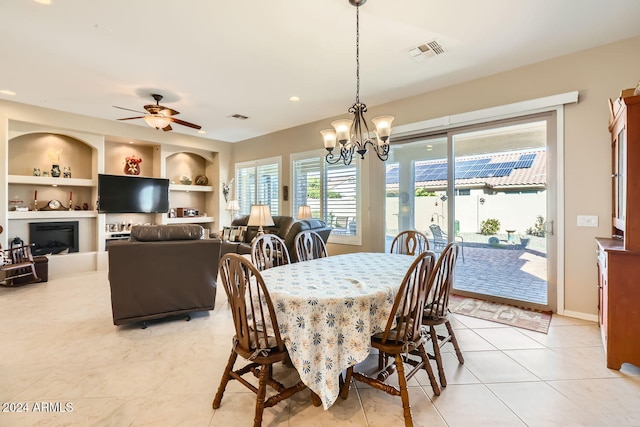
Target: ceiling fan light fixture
{"x":157,"y":121}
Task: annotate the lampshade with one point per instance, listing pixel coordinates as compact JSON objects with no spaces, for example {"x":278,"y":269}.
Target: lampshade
{"x":157,"y":121}
{"x":329,"y":137}
{"x":383,"y":127}
{"x":304,"y":212}
{"x":233,"y":206}
{"x":343,"y":130}
{"x":260,"y":215}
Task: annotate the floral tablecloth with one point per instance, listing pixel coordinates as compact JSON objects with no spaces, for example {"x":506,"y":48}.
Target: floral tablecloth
{"x":328,"y":308}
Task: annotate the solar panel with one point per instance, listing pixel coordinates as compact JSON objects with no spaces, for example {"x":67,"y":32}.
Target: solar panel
{"x":525,"y":161}
{"x":467,"y":169}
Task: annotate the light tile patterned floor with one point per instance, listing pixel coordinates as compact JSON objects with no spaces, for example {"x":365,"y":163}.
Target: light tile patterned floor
{"x":59,"y":346}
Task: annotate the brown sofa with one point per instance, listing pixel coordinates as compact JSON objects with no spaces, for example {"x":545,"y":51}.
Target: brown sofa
{"x":162,"y":271}
{"x":284,"y":227}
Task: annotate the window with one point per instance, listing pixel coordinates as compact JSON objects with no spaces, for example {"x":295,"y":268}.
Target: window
{"x":258,"y":183}
{"x":331,"y":191}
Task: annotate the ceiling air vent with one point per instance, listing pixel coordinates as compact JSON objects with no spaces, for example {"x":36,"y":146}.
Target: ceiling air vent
{"x":426,"y":50}
{"x":238,"y":117}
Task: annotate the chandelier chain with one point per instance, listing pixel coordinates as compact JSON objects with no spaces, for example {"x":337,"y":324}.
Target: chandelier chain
{"x":357,"y":54}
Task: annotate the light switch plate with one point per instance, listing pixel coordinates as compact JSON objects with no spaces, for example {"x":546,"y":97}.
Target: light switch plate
{"x":587,"y":220}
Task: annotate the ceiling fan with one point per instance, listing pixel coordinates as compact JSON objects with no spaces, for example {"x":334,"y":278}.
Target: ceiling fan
{"x":159,"y":116}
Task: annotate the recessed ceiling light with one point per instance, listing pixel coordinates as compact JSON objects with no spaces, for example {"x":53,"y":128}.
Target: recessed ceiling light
{"x":294,"y":98}
{"x":130,"y":142}
{"x":7,"y":92}
{"x":43,"y":1}
{"x":201,"y":132}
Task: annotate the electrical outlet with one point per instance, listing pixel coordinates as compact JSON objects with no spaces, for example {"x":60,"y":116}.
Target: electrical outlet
{"x":587,"y":220}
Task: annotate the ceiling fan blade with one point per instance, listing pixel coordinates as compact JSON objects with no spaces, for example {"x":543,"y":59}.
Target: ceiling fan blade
{"x":167,"y":128}
{"x":183,"y":123}
{"x":131,"y":118}
{"x":128,"y":109}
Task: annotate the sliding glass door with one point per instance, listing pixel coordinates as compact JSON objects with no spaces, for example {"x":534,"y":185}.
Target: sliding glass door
{"x":487,"y":188}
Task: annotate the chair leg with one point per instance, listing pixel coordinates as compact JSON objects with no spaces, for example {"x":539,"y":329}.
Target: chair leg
{"x":262,"y":392}
{"x":225,"y":379}
{"x":344,"y":393}
{"x":404,"y":393}
{"x":454,"y":342}
{"x":427,"y":367}
{"x":438,"y":355}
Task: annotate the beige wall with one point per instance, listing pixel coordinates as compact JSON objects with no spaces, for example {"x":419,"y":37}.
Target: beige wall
{"x":598,"y":74}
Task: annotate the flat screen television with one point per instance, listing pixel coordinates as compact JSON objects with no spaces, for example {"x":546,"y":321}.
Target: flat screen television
{"x":132,"y":194}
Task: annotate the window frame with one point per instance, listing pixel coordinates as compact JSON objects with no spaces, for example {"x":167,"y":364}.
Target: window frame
{"x":255,"y":164}
{"x":344,"y":239}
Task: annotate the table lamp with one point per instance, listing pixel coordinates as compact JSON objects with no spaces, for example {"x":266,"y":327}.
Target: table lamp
{"x":304,"y":212}
{"x":233,"y":207}
{"x":260,"y":215}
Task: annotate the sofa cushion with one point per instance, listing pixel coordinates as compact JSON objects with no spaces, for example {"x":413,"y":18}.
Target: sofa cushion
{"x":153,"y":233}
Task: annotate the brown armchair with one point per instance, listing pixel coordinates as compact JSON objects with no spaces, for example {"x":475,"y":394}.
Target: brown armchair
{"x":163,"y":271}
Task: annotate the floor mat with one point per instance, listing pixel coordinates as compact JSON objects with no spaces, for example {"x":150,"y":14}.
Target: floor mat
{"x":501,"y":313}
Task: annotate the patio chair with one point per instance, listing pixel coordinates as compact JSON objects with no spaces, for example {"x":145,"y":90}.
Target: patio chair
{"x":309,"y":245}
{"x":17,"y":262}
{"x":269,"y":250}
{"x":410,"y":242}
{"x":402,"y":335}
{"x":441,"y":239}
{"x":259,"y":345}
{"x":436,"y":310}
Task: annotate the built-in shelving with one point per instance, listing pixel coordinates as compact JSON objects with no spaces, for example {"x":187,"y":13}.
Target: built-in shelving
{"x":187,"y":188}
{"x":191,"y":220}
{"x":51,"y":214}
{"x":44,"y":180}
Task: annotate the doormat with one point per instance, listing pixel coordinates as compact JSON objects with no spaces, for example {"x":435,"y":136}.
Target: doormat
{"x":501,"y":313}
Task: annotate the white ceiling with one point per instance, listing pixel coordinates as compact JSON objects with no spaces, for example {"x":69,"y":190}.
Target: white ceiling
{"x":214,"y":58}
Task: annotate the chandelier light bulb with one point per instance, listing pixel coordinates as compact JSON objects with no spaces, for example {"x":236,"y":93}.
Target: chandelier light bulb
{"x":329,"y":137}
{"x":383,"y":127}
{"x":343,"y":130}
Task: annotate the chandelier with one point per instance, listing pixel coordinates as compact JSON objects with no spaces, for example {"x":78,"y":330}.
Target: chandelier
{"x":353,"y":134}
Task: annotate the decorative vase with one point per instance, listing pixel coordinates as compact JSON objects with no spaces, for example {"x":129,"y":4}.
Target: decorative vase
{"x":55,"y":171}
{"x":67,"y":172}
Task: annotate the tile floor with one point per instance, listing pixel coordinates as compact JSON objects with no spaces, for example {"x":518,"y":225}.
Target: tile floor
{"x":60,"y":347}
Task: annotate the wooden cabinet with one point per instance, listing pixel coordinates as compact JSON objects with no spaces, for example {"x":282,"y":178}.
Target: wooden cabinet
{"x":625,"y":161}
{"x":619,"y":302}
{"x":619,"y":256}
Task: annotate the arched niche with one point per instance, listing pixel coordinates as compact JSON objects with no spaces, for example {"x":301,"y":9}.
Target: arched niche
{"x":187,"y":164}
{"x":39,"y":150}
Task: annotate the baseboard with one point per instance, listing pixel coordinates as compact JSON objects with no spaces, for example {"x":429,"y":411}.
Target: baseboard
{"x":579,"y":315}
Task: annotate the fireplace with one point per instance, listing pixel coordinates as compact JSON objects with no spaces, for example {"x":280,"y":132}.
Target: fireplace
{"x":53,"y":237}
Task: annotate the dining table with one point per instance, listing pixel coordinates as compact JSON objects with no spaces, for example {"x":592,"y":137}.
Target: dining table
{"x":328,"y":308}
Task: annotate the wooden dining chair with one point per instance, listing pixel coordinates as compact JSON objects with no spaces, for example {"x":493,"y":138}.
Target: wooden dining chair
{"x":436,"y":310}
{"x":17,"y":262}
{"x":257,"y":338}
{"x":269,"y":250}
{"x":402,"y":335}
{"x":309,"y":245}
{"x":410,"y":242}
